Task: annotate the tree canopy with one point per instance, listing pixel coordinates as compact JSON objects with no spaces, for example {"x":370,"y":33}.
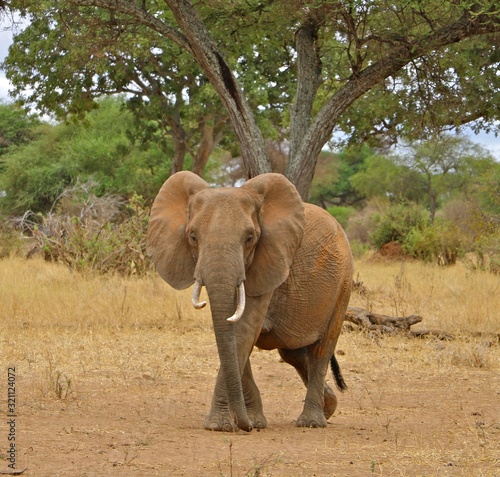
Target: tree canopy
{"x":98,"y":153}
{"x":16,"y":127}
{"x":294,"y":69}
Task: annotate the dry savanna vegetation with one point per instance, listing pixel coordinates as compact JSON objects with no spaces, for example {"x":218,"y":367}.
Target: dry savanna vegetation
{"x":114,"y":376}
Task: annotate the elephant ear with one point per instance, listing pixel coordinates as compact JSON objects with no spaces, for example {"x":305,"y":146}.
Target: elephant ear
{"x":166,"y":241}
{"x":281,"y":219}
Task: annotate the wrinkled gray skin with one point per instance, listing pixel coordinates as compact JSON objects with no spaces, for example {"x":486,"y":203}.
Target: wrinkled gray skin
{"x":295,"y":265}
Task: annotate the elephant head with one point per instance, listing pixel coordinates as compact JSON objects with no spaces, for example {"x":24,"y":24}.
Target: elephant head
{"x":236,"y":242}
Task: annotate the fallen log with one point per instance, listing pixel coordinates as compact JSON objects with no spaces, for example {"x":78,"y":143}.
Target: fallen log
{"x":441,"y":335}
{"x":377,"y":322}
{"x":390,"y":324}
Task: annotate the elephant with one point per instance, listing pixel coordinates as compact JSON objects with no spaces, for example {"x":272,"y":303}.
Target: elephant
{"x":278,"y":274}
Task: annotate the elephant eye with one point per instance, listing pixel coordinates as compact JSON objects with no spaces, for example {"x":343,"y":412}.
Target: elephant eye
{"x":192,"y":237}
{"x":249,"y":239}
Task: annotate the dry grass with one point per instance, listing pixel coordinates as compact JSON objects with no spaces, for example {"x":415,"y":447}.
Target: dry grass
{"x":64,"y":325}
{"x":454,"y":299}
{"x":76,"y":339}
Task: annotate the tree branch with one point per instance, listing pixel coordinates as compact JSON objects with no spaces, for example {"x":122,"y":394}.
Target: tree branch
{"x":141,"y":15}
{"x":219,"y":74}
{"x":321,"y":128}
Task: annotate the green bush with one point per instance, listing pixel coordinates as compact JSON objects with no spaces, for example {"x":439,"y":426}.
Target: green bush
{"x":33,"y":176}
{"x":440,"y":242}
{"x":397,"y":222}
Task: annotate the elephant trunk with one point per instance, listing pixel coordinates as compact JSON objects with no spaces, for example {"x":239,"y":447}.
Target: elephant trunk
{"x":223,"y":303}
{"x":223,"y":274}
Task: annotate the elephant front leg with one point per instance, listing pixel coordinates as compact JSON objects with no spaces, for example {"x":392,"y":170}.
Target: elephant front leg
{"x":247,"y":331}
{"x":253,"y":401}
{"x":219,"y":417}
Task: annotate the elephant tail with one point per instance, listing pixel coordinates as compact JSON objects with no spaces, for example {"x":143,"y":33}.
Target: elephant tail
{"x":339,"y":380}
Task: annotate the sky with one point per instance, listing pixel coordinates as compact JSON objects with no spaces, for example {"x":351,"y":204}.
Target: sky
{"x":5,"y":41}
{"x":488,"y":141}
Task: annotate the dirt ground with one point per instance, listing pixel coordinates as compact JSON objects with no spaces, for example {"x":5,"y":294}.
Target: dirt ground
{"x":413,"y":408}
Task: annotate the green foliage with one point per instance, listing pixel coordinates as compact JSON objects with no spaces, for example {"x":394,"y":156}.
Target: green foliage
{"x":100,"y":150}
{"x":70,"y":54}
{"x":17,"y":126}
{"x":461,"y":230}
{"x":439,"y":242}
{"x":395,"y":223}
{"x":332,"y":183}
{"x":342,"y":214}
{"x":381,"y":176}
{"x":88,"y":56}
{"x":446,"y":164}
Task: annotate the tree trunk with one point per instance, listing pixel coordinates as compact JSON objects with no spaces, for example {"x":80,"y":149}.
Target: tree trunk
{"x":213,"y":64}
{"x":179,"y":155}
{"x":208,"y":142}
{"x":308,"y":81}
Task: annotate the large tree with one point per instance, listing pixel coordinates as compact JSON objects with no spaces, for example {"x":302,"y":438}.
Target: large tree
{"x":366,"y":66}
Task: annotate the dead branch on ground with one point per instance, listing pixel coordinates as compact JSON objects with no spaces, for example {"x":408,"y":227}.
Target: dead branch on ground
{"x":389,"y":324}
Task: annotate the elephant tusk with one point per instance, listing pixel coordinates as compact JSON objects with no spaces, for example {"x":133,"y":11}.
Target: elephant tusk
{"x":196,"y":296}
{"x":241,"y":304}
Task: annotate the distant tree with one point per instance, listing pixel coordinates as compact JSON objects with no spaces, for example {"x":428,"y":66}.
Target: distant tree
{"x":381,"y":176}
{"x":332,"y":183}
{"x":97,"y":152}
{"x":311,"y":66}
{"x":446,"y":163}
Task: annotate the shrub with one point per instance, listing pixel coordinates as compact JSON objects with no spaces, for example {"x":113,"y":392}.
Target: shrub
{"x":85,"y":232}
{"x":10,"y":241}
{"x":397,"y":222}
{"x":479,"y":233}
{"x":440,"y":242}
{"x":358,"y":248}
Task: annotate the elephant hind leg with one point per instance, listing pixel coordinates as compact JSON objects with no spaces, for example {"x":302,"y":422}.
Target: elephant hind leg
{"x":313,"y":377}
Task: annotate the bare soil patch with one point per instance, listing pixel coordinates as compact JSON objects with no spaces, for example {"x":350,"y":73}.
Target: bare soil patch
{"x":399,"y":417}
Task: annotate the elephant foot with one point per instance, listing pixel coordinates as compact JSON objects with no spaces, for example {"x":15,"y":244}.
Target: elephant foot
{"x":314,"y":422}
{"x":330,"y":402}
{"x":312,"y":416}
{"x":258,"y":419}
{"x":220,"y":422}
